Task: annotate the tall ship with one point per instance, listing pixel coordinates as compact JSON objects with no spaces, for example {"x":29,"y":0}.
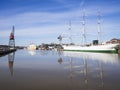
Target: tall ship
{"x":96,"y":46}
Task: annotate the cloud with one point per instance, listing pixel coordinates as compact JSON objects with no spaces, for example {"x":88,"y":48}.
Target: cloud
{"x":43,"y":24}
{"x":32,"y":18}
{"x":39,"y":17}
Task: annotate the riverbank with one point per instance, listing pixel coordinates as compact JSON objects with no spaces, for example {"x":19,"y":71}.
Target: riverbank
{"x":6,"y":50}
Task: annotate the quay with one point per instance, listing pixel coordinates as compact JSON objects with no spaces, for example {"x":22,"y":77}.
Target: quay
{"x":6,"y":50}
{"x":118,"y":49}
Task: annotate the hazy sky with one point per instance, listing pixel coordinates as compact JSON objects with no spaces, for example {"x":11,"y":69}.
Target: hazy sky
{"x":42,"y":21}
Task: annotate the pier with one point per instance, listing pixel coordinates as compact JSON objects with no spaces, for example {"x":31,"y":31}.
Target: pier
{"x":118,"y":49}
{"x":4,"y":49}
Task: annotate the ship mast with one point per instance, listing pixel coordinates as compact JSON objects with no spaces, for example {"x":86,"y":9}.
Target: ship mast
{"x":70,"y":37}
{"x":83,"y":33}
{"x":99,"y":29}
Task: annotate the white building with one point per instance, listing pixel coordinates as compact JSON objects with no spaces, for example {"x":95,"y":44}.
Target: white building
{"x":31,"y":47}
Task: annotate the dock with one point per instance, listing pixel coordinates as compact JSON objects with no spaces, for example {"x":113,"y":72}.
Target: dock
{"x":6,"y":50}
{"x":118,"y":49}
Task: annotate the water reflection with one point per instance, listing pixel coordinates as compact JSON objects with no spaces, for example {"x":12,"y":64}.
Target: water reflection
{"x":11,"y":62}
{"x":103,"y":57}
{"x":52,"y":70}
{"x":90,"y":65}
{"x":85,"y":72}
{"x":60,"y":53}
{"x":101,"y":74}
{"x":60,"y":60}
{"x":32,"y":52}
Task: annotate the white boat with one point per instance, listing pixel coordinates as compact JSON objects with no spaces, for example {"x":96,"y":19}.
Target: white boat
{"x":106,"y":48}
{"x":95,"y":47}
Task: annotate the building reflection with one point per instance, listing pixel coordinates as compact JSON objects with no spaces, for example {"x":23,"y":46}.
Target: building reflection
{"x":32,"y":52}
{"x":11,"y":62}
{"x":89,"y":66}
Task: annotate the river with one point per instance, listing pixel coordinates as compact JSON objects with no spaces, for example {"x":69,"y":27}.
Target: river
{"x":52,"y":70}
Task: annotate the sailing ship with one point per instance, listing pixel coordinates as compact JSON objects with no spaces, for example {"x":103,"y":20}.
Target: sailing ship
{"x":96,"y":46}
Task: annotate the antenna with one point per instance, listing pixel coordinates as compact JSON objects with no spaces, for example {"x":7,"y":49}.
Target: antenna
{"x":70,"y":31}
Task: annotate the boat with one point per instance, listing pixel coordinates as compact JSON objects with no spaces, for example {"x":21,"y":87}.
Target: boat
{"x":105,"y":48}
{"x":96,"y":46}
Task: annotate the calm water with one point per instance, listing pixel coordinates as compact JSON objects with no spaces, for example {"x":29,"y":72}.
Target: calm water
{"x":52,"y":70}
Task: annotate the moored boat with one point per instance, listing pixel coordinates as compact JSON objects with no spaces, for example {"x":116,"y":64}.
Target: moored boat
{"x":96,"y":46}
{"x":105,"y":48}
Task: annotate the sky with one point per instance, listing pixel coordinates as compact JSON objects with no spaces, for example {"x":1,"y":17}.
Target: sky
{"x":42,"y":21}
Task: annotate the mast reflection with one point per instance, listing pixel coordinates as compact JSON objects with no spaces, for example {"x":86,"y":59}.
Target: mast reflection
{"x":70,"y":68}
{"x":11,"y":62}
{"x":89,"y":66}
{"x":101,"y":75}
{"x":60,"y":57}
{"x":85,"y":72}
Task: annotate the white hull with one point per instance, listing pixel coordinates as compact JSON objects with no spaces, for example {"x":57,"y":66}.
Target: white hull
{"x":93,"y":48}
